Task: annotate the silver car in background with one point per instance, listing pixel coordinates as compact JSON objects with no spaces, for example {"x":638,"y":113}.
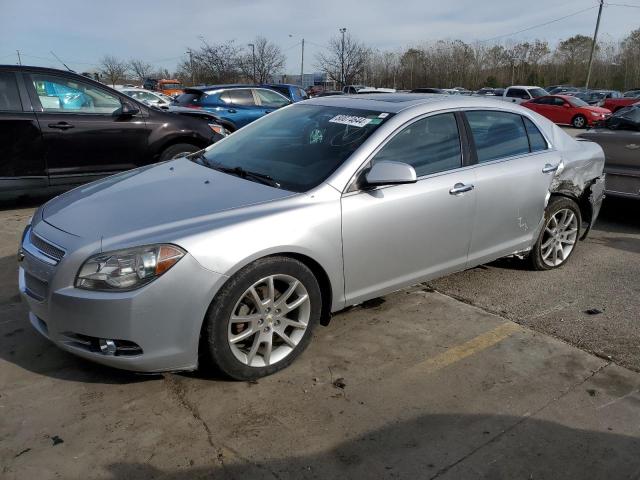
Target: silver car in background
{"x":232,"y":257}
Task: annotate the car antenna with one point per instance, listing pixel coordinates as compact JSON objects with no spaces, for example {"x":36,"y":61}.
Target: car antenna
{"x":58,"y":58}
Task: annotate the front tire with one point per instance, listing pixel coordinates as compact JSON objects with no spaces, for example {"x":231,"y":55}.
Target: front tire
{"x":559,"y":236}
{"x":579,"y":121}
{"x":262,"y":319}
{"x":178,"y":150}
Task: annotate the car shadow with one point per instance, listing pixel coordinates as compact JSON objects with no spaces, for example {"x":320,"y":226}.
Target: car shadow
{"x":452,"y":445}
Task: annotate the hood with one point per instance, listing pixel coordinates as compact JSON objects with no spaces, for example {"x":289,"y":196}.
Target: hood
{"x":154,"y":196}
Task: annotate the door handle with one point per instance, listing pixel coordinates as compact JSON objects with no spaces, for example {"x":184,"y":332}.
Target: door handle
{"x":548,"y":168}
{"x":60,"y":125}
{"x":232,"y":110}
{"x":267,"y":111}
{"x":459,"y":188}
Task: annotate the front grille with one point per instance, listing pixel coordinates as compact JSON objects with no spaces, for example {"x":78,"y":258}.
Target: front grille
{"x":35,"y":287}
{"x":45,"y":247}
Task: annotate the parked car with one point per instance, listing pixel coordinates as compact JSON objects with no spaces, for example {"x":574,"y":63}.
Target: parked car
{"x":594,"y":97}
{"x":295,"y":93}
{"x":169,"y":87}
{"x":565,"y":89}
{"x":315,"y":90}
{"x":615,"y":104}
{"x":427,"y":90}
{"x":523,"y":93}
{"x":619,"y":137}
{"x":366,"y":90}
{"x":567,"y":110}
{"x":488,"y":91}
{"x":330,"y":93}
{"x":60,"y":129}
{"x":235,"y":105}
{"x":350,"y":89}
{"x":234,"y":255}
{"x":147,"y":96}
{"x":633,"y":93}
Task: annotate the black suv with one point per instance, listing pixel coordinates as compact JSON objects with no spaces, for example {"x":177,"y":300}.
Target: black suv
{"x":59,"y":129}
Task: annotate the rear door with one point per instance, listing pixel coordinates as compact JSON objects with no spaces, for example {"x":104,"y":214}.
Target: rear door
{"x":83,"y":133}
{"x":240,"y":106}
{"x":22,"y":162}
{"x":517,"y":95}
{"x":514,"y":169}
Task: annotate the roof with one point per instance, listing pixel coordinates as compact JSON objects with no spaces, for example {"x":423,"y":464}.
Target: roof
{"x":397,"y":102}
{"x":523,"y":86}
{"x":202,"y":88}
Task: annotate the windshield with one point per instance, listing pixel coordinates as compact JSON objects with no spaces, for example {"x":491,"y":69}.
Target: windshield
{"x":576,"y":102}
{"x":538,"y":92}
{"x":299,"y":146}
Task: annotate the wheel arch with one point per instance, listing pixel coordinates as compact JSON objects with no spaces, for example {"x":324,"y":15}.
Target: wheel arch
{"x":586,"y":209}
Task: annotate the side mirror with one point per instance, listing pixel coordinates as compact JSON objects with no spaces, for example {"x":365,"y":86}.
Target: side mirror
{"x":127,"y":110}
{"x":387,"y":172}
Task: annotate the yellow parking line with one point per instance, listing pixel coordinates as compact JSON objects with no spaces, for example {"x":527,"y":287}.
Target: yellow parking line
{"x":473,"y":346}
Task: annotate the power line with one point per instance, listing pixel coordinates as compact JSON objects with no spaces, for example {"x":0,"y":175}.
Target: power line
{"x":540,"y":24}
{"x":621,"y":5}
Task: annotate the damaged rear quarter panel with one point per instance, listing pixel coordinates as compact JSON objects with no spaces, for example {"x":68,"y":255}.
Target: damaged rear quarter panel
{"x":581,"y":174}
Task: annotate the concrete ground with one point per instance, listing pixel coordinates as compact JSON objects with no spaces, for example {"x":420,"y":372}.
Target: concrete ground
{"x":414,"y":385}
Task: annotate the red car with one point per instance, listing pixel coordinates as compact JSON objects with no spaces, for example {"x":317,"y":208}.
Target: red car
{"x":615,"y":104}
{"x":567,"y":110}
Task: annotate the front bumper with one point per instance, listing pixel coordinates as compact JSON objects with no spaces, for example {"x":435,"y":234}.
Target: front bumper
{"x":163,"y":318}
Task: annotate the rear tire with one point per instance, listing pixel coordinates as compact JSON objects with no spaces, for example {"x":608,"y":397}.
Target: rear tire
{"x":178,"y":150}
{"x":559,"y":236}
{"x":262,"y":319}
{"x":579,"y":121}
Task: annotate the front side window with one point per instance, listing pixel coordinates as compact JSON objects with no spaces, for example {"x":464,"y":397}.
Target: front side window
{"x":271,"y":99}
{"x":429,"y":145}
{"x":298,"y":147}
{"x":497,"y":134}
{"x":9,"y":96}
{"x":58,"y":94}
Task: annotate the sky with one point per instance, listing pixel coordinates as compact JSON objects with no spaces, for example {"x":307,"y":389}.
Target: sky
{"x":80,"y":32}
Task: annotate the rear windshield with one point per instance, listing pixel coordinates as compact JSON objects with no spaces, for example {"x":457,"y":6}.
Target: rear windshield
{"x":298,"y":146}
{"x":186,"y":99}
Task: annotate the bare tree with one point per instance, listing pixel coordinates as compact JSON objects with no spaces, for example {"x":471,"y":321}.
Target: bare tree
{"x":350,"y":56}
{"x":268,"y":60}
{"x":140,"y":68}
{"x":217,"y":63}
{"x":113,"y":69}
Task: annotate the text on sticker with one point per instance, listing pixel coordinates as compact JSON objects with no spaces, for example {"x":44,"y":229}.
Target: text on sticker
{"x":350,"y":120}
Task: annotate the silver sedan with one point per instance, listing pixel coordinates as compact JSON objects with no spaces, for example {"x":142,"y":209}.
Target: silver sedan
{"x":231,"y":257}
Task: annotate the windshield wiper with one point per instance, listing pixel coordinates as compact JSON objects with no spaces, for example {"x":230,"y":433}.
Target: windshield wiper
{"x":248,"y":175}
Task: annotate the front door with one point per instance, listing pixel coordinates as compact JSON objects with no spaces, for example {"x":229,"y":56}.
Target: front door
{"x":513,"y":174}
{"x":83,"y":133}
{"x":397,"y":235}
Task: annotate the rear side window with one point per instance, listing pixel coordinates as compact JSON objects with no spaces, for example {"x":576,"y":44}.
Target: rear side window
{"x":430,"y":145}
{"x":536,"y":140}
{"x":9,"y":97}
{"x":517,"y":93}
{"x":242,"y":96}
{"x":497,"y":134}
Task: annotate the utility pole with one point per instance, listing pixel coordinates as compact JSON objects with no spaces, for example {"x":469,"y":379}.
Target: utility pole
{"x":343,"y":31}
{"x":302,"y":66}
{"x":190,"y":53}
{"x":593,"y":45}
{"x":19,"y":59}
{"x":253,"y":57}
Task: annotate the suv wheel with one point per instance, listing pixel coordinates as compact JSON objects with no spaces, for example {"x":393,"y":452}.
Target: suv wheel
{"x":262,"y":318}
{"x":559,"y":236}
{"x":178,"y":150}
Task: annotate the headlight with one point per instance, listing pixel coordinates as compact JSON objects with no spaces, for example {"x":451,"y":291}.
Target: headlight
{"x":127,"y":269}
{"x":219,"y":129}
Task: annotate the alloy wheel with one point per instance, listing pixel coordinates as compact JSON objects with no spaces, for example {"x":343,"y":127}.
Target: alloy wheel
{"x":269,"y":320}
{"x":559,"y":238}
{"x":579,"y":121}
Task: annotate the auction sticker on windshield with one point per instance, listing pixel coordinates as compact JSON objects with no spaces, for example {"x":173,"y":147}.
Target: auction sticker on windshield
{"x":350,"y":120}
